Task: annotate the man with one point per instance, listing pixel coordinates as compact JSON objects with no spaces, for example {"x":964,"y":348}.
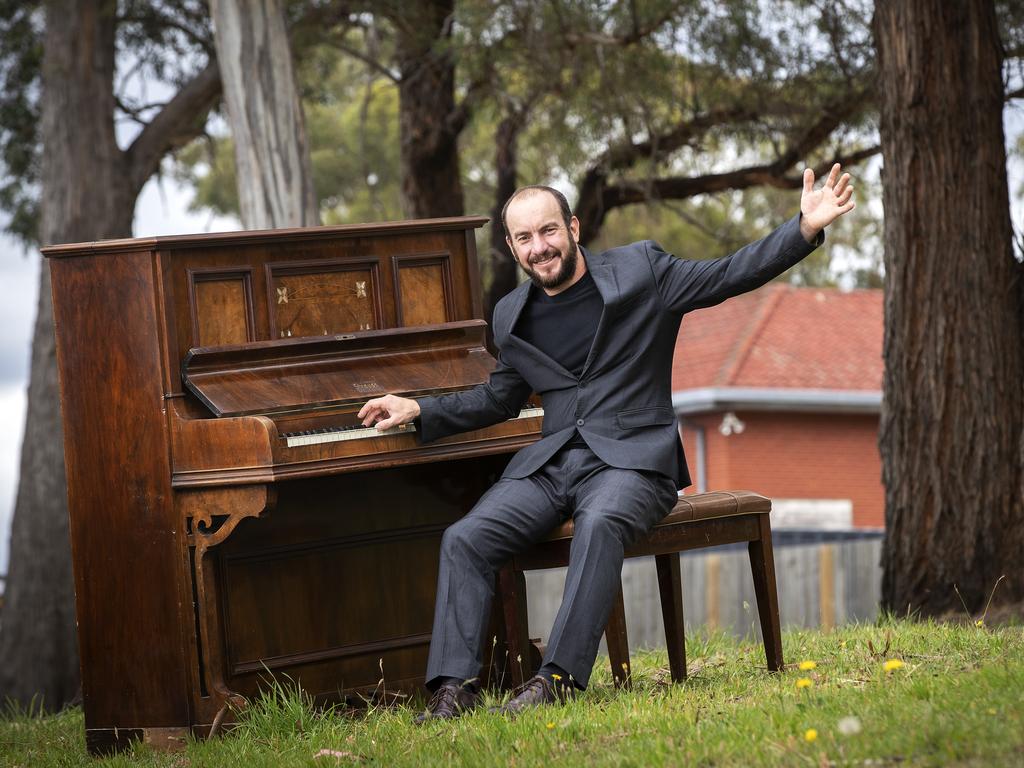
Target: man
{"x":593,"y":335}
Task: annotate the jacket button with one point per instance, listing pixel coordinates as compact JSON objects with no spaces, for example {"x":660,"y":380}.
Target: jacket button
{"x":579,"y":422}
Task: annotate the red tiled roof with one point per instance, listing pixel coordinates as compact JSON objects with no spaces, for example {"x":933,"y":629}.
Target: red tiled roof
{"x":784,"y":336}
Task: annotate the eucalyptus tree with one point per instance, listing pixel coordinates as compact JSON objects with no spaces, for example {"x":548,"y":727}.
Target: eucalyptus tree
{"x":952,"y":430}
{"x":68,"y":178}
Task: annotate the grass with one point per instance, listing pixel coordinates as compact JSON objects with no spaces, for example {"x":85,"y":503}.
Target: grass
{"x":953,"y":695}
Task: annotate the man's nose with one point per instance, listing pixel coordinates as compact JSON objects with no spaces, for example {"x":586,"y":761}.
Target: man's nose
{"x":538,"y":245}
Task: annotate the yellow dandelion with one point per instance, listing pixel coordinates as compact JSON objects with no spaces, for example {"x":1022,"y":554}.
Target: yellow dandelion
{"x":555,"y":676}
{"x":550,"y":726}
{"x":891,"y":665}
{"x":810,"y":734}
{"x":979,"y":623}
{"x":991,"y":710}
{"x":807,"y":666}
{"x":804,"y":682}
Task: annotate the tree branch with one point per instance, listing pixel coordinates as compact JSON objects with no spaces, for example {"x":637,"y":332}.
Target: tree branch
{"x":635,"y":34}
{"x":368,"y":60}
{"x":597,"y":197}
{"x":681,"y":187}
{"x":180,"y":121}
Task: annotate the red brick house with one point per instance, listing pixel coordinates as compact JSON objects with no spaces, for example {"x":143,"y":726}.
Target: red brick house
{"x":779,"y":391}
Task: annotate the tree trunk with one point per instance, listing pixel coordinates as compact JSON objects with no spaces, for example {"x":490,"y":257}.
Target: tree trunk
{"x":84,"y":197}
{"x":501,"y":267}
{"x":953,"y":412}
{"x":429,"y":134}
{"x":275,"y":179}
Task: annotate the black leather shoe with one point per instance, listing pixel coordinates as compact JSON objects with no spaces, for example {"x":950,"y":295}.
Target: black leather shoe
{"x":448,"y":702}
{"x":535,"y":692}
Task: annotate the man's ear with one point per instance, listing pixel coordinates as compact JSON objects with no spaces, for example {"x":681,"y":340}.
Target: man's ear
{"x":574,"y":228}
{"x":511,"y":248}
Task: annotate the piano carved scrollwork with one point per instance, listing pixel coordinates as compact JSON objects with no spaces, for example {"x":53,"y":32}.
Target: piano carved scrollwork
{"x":211,"y":517}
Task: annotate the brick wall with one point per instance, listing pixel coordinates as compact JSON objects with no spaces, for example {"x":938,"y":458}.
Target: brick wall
{"x":795,"y":456}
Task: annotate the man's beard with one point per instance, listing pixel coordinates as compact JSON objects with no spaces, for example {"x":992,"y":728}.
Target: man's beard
{"x":564,"y":273}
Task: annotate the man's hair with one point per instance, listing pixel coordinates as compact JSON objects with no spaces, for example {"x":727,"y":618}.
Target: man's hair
{"x":563,"y":204}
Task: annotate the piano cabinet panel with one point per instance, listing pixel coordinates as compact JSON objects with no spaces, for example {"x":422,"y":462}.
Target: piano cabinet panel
{"x":322,"y":271}
{"x":220,"y":306}
{"x":423,"y":289}
{"x":334,"y":582}
{"x":323,"y":298}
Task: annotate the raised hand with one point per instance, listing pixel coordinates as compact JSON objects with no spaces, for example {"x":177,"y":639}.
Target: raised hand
{"x":389,"y":411}
{"x":823,"y":206}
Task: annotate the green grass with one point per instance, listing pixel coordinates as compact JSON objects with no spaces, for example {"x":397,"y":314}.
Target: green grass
{"x":958,"y":699}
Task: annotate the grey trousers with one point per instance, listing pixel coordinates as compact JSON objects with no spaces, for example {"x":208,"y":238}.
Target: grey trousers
{"x":610,"y":507}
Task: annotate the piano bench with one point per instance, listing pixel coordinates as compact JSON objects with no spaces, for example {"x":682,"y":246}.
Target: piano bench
{"x":698,"y":521}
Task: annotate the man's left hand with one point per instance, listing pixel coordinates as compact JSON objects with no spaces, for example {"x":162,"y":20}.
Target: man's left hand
{"x":823,"y":206}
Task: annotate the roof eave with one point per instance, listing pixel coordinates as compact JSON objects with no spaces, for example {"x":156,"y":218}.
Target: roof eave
{"x":710,"y":399}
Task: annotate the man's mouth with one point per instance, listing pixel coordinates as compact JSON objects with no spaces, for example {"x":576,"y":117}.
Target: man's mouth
{"x":541,"y":260}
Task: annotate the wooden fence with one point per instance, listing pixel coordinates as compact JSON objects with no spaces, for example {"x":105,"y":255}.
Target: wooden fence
{"x":820,"y":584}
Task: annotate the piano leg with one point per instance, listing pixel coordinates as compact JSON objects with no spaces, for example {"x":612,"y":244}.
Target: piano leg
{"x":211,"y":516}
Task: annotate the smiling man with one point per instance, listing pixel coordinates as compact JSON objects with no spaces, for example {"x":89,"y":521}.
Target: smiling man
{"x":593,"y":334}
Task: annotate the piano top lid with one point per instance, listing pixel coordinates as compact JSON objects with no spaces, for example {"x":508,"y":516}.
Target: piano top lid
{"x":278,"y":236}
{"x":296,"y":374}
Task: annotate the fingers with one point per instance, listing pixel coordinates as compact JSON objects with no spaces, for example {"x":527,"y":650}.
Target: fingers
{"x":369,"y":407}
{"x":841,"y":185}
{"x":844,"y":197}
{"x":808,"y":180}
{"x":374,"y":410}
{"x":833,"y":175}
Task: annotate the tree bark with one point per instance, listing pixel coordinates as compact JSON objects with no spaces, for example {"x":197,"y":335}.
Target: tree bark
{"x":952,"y":426}
{"x":500,"y":266}
{"x":82,"y":199}
{"x":275,"y":178}
{"x":429,"y":120}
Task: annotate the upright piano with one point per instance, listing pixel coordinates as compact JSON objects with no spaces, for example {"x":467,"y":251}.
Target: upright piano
{"x":231,"y":522}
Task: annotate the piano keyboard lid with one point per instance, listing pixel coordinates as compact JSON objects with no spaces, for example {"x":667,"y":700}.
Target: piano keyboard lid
{"x":296,"y":374}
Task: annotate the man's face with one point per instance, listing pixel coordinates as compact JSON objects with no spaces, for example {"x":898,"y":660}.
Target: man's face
{"x":544,"y":247}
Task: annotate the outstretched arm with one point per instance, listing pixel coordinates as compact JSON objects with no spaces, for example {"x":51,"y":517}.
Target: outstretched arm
{"x":687,"y":284}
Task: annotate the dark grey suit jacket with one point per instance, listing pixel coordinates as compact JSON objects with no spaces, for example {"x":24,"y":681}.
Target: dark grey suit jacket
{"x":622,"y":401}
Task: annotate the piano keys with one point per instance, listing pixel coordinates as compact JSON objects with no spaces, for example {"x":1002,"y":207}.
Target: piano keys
{"x":244,"y":524}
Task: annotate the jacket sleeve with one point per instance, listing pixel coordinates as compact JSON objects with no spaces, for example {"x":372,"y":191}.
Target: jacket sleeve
{"x":686,"y":284}
{"x":500,"y":398}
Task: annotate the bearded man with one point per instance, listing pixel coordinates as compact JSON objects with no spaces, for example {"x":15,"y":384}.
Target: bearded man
{"x":593,"y":334}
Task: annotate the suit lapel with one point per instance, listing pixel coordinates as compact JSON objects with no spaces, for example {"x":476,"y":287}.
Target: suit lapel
{"x":604,"y":277}
{"x":517,"y":308}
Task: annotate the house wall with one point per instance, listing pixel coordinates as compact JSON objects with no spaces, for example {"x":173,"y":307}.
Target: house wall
{"x":795,"y":456}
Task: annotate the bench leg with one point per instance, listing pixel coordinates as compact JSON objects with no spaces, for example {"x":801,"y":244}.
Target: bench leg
{"x":762,"y":567}
{"x":670,"y":588}
{"x":512,"y":584}
{"x":618,"y":643}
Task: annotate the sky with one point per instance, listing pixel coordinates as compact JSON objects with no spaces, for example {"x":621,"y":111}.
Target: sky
{"x":162,"y":209}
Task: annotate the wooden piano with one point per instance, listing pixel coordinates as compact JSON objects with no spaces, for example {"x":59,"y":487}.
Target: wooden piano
{"x":230,"y":521}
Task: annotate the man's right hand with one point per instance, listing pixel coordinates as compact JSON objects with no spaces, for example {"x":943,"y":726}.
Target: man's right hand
{"x":389,"y":411}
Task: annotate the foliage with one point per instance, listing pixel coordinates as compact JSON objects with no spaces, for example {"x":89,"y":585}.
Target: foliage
{"x":157,"y":47}
{"x":21,"y":52}
{"x":895,"y":692}
{"x":586,"y":88}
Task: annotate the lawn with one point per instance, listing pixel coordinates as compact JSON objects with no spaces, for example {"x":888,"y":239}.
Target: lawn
{"x":898,"y":692}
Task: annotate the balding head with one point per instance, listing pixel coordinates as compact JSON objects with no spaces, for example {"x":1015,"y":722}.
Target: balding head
{"x":537,"y":189}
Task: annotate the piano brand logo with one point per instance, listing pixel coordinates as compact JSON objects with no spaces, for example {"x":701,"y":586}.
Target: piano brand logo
{"x":366,"y":387}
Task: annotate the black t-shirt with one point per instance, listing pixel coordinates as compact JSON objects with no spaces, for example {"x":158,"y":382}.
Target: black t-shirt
{"x":563,"y":326}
